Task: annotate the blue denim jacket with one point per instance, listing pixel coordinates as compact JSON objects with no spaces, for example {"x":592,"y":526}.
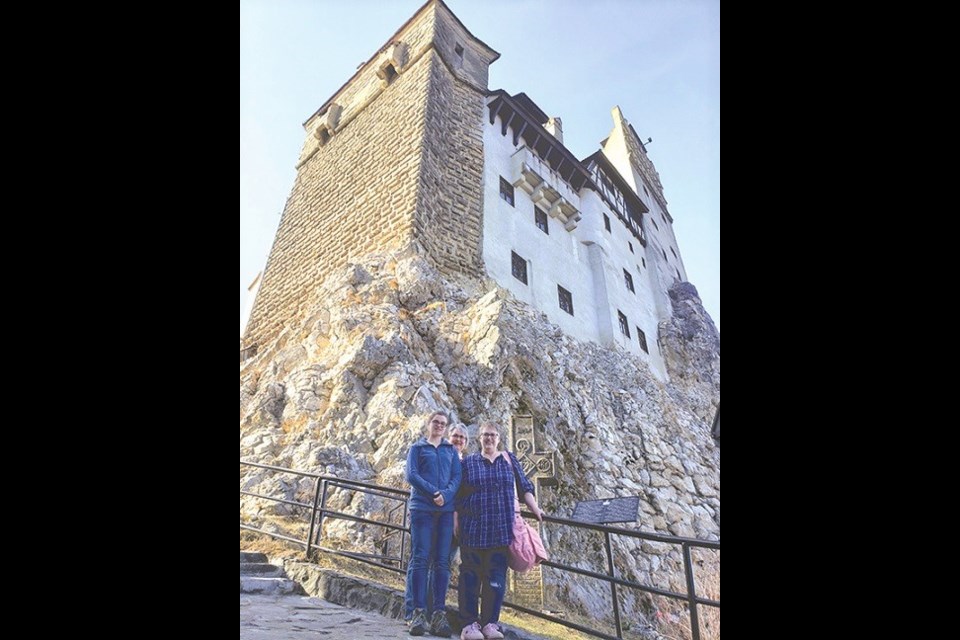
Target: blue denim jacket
{"x":431,"y":469}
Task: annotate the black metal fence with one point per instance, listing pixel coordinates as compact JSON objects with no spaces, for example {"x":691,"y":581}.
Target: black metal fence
{"x":319,"y":512}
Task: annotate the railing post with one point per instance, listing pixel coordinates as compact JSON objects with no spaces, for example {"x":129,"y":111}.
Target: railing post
{"x":323,"y":508}
{"x":313,"y":518}
{"x":403,"y":534}
{"x":691,"y":592}
{"x":613,"y":585}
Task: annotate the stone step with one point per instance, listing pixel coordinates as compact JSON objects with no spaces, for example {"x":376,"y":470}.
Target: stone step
{"x":269,"y":586}
{"x":261,"y":569}
{"x":246,"y":556}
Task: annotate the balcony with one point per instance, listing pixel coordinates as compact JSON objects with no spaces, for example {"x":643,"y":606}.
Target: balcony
{"x":546,"y":188}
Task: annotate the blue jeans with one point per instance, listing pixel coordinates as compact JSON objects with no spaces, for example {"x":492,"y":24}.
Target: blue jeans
{"x":431,"y":535}
{"x":483,"y":575}
{"x":408,"y":595}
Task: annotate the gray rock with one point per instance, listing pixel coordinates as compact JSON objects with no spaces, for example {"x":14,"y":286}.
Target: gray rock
{"x":345,"y":389}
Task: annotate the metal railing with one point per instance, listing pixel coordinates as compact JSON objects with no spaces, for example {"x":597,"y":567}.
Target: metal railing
{"x":319,"y":512}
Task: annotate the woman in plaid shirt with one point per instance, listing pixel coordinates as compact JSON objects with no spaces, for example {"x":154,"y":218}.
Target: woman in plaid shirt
{"x":485,"y":511}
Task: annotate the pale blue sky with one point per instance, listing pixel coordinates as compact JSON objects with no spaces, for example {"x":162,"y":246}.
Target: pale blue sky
{"x":658,"y":59}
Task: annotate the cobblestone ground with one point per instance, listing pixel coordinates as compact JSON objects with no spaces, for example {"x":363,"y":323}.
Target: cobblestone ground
{"x":285,"y":617}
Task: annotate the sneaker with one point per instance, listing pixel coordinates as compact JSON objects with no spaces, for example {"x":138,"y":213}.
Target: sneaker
{"x":418,"y":625}
{"x":492,"y":632}
{"x":439,"y":625}
{"x":471,"y":632}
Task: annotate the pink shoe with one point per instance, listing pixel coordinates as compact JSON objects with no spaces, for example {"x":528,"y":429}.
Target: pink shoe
{"x":472,"y":632}
{"x":492,"y":632}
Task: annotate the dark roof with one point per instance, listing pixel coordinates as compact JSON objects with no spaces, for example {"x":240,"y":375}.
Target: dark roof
{"x":531,"y":107}
{"x":514,"y":113}
{"x":611,"y":171}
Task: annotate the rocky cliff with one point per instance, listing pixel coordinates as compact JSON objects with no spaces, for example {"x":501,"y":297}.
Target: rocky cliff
{"x":345,"y":388}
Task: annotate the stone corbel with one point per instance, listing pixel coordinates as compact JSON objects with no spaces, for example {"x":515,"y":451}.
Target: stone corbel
{"x":326,"y":124}
{"x":391,"y":63}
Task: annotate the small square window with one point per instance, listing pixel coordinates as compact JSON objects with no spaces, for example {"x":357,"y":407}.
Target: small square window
{"x":459,"y":51}
{"x":664,"y":254}
{"x":628,"y":278}
{"x":566,"y":300}
{"x":644,"y":261}
{"x":643,"y":340}
{"x":655,"y":224}
{"x":506,"y":192}
{"x":389,"y":74}
{"x":624,"y":324}
{"x":542,"y":221}
{"x":630,"y":244}
{"x":606,"y":223}
{"x":520,"y":268}
{"x":674,"y":253}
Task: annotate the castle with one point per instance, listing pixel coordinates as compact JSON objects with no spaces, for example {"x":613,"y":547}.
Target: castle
{"x":416,"y":150}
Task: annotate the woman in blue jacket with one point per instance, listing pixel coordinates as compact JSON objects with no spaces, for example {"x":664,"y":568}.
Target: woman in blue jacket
{"x":433,"y":471}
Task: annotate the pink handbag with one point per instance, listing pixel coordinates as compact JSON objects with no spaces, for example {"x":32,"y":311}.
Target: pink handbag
{"x":526,"y":550}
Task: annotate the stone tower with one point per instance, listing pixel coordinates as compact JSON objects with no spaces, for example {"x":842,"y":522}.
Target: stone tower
{"x":375,"y":171}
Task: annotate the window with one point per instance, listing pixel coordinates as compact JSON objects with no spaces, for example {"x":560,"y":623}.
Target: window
{"x":519,"y":268}
{"x":674,"y":253}
{"x":643,"y":341}
{"x":664,"y":254}
{"x":459,"y":51}
{"x":665,"y":221}
{"x":679,"y":277}
{"x":645,"y":190}
{"x":606,"y":223}
{"x":506,"y":192}
{"x":542,"y":222}
{"x":628,"y":278}
{"x":644,"y":261}
{"x":630,"y":244}
{"x":566,"y":300}
{"x":624,"y":324}
{"x":389,"y":74}
{"x":655,"y":225}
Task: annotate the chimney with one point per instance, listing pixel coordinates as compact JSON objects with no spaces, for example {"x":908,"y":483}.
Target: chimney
{"x":555,"y":127}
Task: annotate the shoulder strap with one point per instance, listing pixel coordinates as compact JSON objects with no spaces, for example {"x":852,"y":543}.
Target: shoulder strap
{"x":517,"y":485}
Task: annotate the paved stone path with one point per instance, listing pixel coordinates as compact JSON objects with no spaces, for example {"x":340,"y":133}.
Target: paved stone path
{"x":270,"y":617}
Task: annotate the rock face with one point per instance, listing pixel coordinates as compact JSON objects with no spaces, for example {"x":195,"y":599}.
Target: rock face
{"x":345,"y":388}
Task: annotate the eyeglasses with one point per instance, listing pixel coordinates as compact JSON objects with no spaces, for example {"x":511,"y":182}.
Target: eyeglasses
{"x":439,"y":422}
{"x":457,"y":436}
{"x":489,"y":435}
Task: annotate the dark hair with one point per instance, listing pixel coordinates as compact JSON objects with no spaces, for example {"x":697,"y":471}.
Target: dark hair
{"x":433,"y":415}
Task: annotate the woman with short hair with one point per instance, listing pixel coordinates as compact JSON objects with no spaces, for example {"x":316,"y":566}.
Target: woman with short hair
{"x":485,"y":512}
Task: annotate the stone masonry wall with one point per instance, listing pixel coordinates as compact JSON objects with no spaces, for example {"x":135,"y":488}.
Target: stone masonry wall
{"x":403,"y":162}
{"x":351,"y":198}
{"x":449,"y":221}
